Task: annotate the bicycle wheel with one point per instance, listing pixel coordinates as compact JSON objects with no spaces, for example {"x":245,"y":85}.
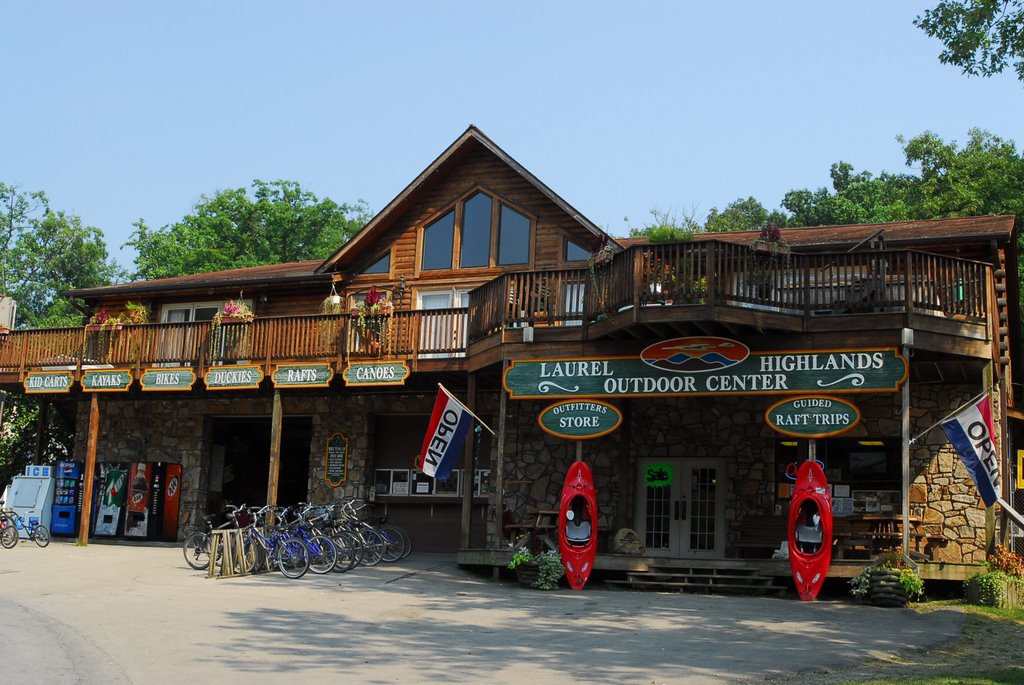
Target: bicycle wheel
{"x":41,"y":535}
{"x":197,"y":550}
{"x":292,"y":557}
{"x":373,"y":547}
{"x":348,"y":548}
{"x":394,"y":546}
{"x":8,"y":534}
{"x":323,"y":555}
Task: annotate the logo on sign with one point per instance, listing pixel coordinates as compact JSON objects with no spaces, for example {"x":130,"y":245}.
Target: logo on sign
{"x":695,"y":355}
{"x":172,"y":486}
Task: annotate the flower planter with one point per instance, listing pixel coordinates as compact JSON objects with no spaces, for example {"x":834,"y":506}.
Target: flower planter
{"x":527,"y":575}
{"x":884,"y":589}
{"x":1011,"y":597}
{"x":225,"y":320}
{"x":98,"y":327}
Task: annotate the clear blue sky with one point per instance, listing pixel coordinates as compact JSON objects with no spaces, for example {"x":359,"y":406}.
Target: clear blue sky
{"x":128,"y":110}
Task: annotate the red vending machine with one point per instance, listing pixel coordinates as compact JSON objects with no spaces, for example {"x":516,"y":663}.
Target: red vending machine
{"x":170,"y":501}
{"x":112,"y":479}
{"x":136,"y":523}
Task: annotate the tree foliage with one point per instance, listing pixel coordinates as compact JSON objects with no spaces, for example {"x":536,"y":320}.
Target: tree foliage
{"x":742,"y":215}
{"x":665,"y":227}
{"x":279,"y":223}
{"x":980,"y":36}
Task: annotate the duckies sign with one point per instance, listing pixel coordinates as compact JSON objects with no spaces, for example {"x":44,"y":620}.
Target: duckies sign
{"x":580,"y":419}
{"x":812,"y":416}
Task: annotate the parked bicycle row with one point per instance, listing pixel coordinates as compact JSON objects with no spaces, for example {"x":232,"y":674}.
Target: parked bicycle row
{"x":14,"y":527}
{"x":299,"y":538}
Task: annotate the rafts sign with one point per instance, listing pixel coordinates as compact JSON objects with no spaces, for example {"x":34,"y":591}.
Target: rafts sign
{"x":302,"y":375}
{"x":580,"y":420}
{"x":812,"y":416}
{"x":709,"y":366}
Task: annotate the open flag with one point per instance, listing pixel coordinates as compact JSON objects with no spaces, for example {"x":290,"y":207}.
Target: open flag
{"x":970,"y":431}
{"x":445,"y":436}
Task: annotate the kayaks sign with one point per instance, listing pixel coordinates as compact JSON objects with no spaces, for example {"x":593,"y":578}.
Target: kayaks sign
{"x":580,"y":420}
{"x":709,"y":366}
{"x":812,"y":417}
{"x":115,"y":380}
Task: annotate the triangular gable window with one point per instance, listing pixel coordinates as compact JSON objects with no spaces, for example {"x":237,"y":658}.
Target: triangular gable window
{"x":381,"y":266}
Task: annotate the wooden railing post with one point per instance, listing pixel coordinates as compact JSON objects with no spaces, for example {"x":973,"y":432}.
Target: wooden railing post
{"x":908,"y":294}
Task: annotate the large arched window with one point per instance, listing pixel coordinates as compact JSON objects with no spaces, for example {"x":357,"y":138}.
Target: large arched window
{"x":489,"y":234}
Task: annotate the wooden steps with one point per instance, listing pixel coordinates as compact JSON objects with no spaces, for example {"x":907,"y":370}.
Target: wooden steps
{"x":706,"y":579}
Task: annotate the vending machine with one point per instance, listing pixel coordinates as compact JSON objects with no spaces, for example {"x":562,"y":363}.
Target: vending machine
{"x":165,"y":498}
{"x":136,"y":523}
{"x":67,"y":500}
{"x":110,"y":499}
{"x":31,"y":496}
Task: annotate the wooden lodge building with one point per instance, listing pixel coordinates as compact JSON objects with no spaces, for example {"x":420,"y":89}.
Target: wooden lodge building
{"x":697,"y":371}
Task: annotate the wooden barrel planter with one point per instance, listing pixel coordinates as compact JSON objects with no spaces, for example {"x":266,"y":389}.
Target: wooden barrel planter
{"x":884,"y":589}
{"x":527,"y":574}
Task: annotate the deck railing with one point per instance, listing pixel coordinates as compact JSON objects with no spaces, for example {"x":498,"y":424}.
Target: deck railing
{"x":721,"y":273}
{"x":699,"y":273}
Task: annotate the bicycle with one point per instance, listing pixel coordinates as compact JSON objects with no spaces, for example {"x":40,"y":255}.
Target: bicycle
{"x":196,"y":546}
{"x":36,"y":531}
{"x":8,"y":530}
{"x":290,"y":554}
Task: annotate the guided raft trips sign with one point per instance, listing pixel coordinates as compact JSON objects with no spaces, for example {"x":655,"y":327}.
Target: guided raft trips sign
{"x":580,"y":420}
{"x":709,"y":366}
{"x":812,"y":417}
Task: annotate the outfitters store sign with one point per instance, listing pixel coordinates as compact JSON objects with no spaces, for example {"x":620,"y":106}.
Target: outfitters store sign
{"x":709,"y":366}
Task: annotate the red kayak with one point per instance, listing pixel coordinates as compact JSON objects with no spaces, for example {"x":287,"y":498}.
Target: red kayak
{"x":577,"y":525}
{"x":810,"y":530}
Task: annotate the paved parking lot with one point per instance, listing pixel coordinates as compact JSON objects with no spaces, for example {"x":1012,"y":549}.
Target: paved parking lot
{"x":116,"y":614}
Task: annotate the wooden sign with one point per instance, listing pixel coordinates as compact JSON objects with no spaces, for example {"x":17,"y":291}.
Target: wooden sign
{"x":580,"y":419}
{"x":709,"y":366}
{"x":376,"y":373}
{"x":233,"y":377}
{"x":167,"y":380}
{"x":336,"y":461}
{"x":107,"y":380}
{"x":812,"y":416}
{"x":38,"y":382}
{"x":302,"y":375}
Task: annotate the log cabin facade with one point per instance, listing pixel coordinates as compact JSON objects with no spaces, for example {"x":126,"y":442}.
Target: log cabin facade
{"x":493,"y":285}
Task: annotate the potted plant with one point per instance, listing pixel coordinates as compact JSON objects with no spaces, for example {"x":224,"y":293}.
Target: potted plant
{"x":599,"y":265}
{"x":373,"y":319}
{"x":233,"y":312}
{"x":769,"y":255}
{"x":1002,"y":582}
{"x":541,"y":571}
{"x":135,"y":313}
{"x":892,"y":581}
{"x":103,"y":321}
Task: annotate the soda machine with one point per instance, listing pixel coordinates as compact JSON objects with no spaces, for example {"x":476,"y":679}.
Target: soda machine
{"x":31,"y":496}
{"x":110,"y":499}
{"x":137,"y":515}
{"x":165,"y":501}
{"x":67,"y":501}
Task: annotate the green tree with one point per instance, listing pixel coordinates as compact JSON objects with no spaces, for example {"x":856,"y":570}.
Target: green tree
{"x":279,"y":223}
{"x":980,"y":36}
{"x":742,"y":215}
{"x":43,"y":253}
{"x":665,"y":228}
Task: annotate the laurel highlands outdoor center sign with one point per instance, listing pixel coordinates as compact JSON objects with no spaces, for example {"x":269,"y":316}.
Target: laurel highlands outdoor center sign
{"x":812,"y":416}
{"x":709,"y":366}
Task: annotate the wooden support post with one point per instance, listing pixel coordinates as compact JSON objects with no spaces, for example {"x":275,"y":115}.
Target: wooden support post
{"x":275,"y":449}
{"x":90,"y":469}
{"x":496,"y":525}
{"x":468,"y":470}
{"x":41,"y":424}
{"x":905,"y":457}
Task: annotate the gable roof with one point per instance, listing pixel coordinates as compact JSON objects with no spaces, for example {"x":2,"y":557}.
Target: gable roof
{"x":972,"y":229}
{"x":248,"y":277}
{"x":471,"y":139}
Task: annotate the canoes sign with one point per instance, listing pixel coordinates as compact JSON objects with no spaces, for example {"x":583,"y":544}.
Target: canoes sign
{"x":580,"y":419}
{"x":812,"y":416}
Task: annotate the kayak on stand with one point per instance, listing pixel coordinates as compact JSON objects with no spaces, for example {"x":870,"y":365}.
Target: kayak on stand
{"x":577,"y":525}
{"x":810,"y":530}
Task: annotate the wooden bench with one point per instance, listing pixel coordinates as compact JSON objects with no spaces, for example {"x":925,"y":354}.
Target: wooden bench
{"x":538,"y":525}
{"x":761,"y":535}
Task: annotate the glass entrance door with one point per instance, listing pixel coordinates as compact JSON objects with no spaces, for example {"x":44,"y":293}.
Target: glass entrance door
{"x":680,"y":507}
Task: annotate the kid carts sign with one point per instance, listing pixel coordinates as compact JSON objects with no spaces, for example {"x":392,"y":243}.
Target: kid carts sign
{"x":709,"y":366}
